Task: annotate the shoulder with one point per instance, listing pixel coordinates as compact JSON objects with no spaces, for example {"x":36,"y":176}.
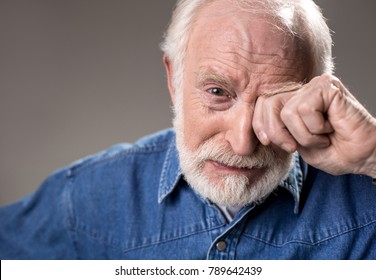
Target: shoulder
{"x":124,"y":168}
{"x":153,"y":144}
{"x":106,"y":190}
{"x":118,"y":173}
{"x":121,"y":165}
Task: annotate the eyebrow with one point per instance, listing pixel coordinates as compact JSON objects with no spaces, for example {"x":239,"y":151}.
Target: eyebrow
{"x":208,"y":76}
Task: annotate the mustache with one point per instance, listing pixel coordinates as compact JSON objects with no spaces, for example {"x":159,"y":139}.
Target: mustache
{"x":263,"y":156}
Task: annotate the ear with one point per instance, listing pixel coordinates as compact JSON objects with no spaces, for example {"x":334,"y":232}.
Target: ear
{"x":170,"y":73}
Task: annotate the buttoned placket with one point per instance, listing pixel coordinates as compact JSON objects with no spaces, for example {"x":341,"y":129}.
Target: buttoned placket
{"x":226,"y":237}
{"x":225,"y":244}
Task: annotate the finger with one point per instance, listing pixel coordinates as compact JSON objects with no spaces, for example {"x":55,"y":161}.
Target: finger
{"x":258,"y":122}
{"x":274,"y":127}
{"x":299,"y":130}
{"x":316,"y":122}
{"x":312,"y":112}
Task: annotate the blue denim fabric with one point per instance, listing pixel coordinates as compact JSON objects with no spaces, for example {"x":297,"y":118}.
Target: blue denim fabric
{"x":132,"y":202}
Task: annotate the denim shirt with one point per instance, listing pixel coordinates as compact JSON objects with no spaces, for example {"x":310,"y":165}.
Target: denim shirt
{"x":132,"y":202}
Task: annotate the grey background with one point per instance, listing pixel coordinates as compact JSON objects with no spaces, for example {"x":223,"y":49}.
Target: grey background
{"x":77,"y":76}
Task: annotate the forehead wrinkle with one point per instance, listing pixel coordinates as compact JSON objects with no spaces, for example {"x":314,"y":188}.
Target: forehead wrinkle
{"x":237,"y":77}
{"x":272,"y":57}
{"x":221,"y":61}
{"x":248,"y":59}
{"x":254,"y":62}
{"x":207,"y":74}
{"x":260,"y":71}
{"x":237,"y":62}
{"x":283,"y":88}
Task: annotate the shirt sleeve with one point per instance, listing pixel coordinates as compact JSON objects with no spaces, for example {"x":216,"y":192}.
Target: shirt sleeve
{"x":37,"y":227}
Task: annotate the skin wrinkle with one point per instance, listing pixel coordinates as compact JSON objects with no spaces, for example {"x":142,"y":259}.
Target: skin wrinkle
{"x":245,"y":34}
{"x":233,"y":67}
{"x":228,"y":84}
{"x":265,"y":54}
{"x":261,"y":64}
{"x":238,"y":58}
{"x":255,"y":61}
{"x":252,"y":53}
{"x":290,"y":46}
{"x":223,"y":79}
{"x":204,"y":78}
{"x":248,"y":54}
{"x":221,"y":55}
{"x":209,"y":76}
{"x":269,"y":63}
{"x":236,"y":83}
{"x":288,"y":87}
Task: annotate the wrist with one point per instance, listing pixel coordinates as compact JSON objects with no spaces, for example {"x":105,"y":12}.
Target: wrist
{"x":369,"y":168}
{"x":372,"y":165}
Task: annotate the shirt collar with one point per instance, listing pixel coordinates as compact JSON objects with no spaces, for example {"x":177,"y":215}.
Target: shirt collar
{"x":294,"y":181}
{"x":171,"y":174}
{"x":171,"y":171}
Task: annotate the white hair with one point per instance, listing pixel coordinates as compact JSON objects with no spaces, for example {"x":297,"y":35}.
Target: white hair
{"x":301,"y":19}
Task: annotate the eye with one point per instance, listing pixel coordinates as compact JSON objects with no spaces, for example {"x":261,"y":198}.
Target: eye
{"x":217,"y":91}
{"x":217,"y":98}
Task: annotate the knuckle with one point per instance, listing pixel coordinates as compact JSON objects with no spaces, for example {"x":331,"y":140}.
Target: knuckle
{"x":305,"y":108}
{"x":287,"y":114}
{"x":330,"y":80}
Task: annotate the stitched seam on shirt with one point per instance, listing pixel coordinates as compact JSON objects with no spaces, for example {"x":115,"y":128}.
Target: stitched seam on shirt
{"x":70,"y":213}
{"x":312,"y":243}
{"x":165,"y":187}
{"x":120,"y":245}
{"x":153,"y":148}
{"x":168,"y":240}
{"x":162,"y":179}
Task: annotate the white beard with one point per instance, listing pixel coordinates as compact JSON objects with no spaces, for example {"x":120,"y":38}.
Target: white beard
{"x":229,"y":190}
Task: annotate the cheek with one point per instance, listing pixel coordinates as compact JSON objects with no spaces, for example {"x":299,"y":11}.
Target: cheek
{"x":199,"y":124}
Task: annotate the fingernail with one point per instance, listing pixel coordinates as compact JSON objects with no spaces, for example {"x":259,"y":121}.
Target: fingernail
{"x":263,"y":138}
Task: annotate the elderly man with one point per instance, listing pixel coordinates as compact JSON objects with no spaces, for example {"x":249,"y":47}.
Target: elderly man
{"x":253,"y":169}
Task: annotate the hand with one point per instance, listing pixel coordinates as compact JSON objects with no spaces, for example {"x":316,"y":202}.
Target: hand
{"x":322,"y":121}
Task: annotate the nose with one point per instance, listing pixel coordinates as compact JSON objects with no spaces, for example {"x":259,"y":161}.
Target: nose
{"x":240,"y":133}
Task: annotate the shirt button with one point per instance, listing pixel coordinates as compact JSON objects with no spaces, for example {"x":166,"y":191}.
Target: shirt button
{"x":221,"y":245}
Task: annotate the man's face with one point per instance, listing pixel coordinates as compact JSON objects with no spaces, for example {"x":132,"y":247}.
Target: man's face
{"x":232,"y":58}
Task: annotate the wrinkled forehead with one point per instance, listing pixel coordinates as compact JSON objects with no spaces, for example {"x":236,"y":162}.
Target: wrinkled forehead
{"x":223,"y":28}
{"x":225,"y":25}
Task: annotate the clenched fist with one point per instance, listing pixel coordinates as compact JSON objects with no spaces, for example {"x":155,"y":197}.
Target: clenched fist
{"x":322,"y":121}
